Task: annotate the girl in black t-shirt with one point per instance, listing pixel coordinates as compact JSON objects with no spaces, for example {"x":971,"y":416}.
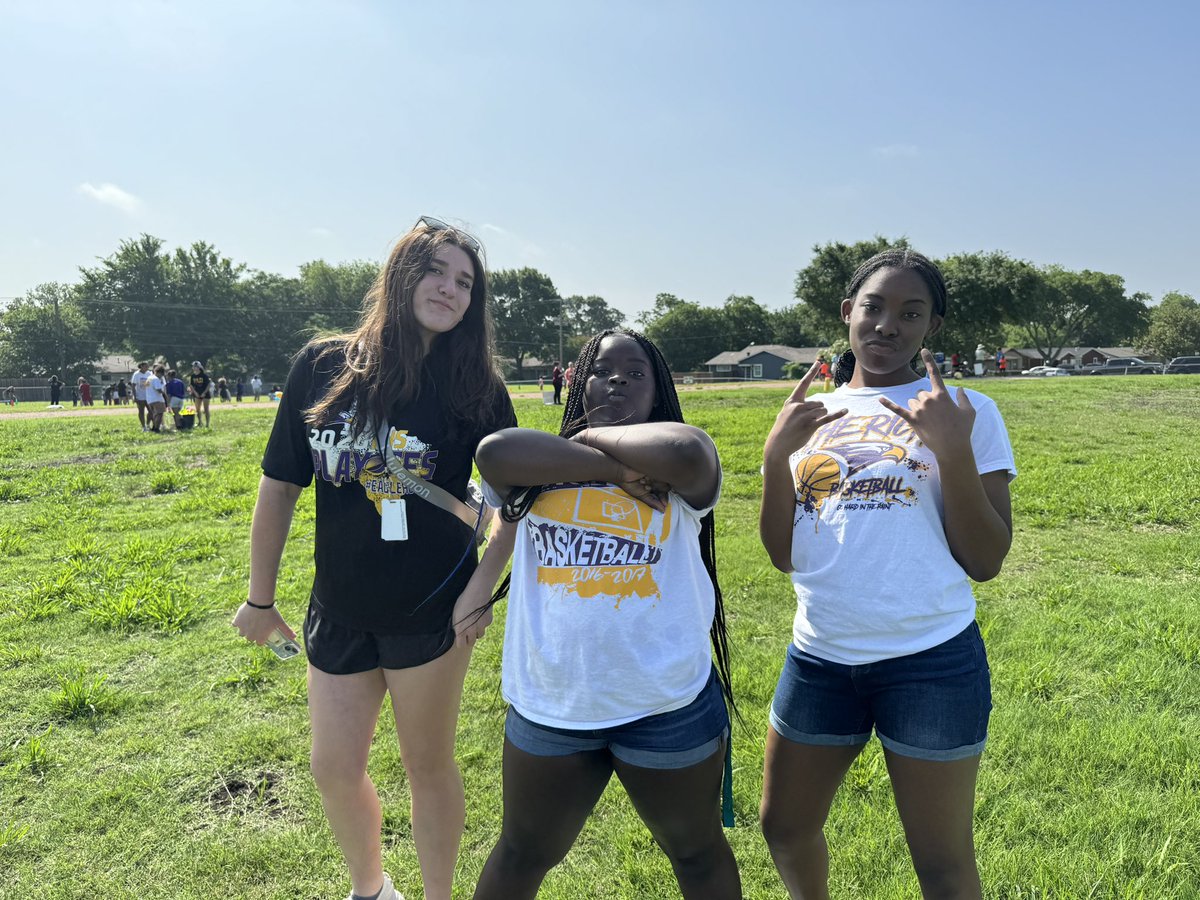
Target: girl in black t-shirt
{"x":403,"y":399}
{"x":200,"y":387}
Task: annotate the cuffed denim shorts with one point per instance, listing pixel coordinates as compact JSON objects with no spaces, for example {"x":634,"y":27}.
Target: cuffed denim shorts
{"x":930,"y":705}
{"x":670,"y":740}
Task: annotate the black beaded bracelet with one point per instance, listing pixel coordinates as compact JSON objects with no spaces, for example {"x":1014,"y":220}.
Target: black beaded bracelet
{"x":258,"y":606}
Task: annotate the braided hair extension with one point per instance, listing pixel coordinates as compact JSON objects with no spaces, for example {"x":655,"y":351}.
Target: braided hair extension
{"x":895,"y":258}
{"x":666,"y":409}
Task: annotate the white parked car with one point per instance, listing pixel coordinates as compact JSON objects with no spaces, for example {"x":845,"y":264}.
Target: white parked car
{"x":1044,"y":371}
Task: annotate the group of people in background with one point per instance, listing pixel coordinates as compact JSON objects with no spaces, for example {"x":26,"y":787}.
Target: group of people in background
{"x":880,"y":501}
{"x":157,"y":389}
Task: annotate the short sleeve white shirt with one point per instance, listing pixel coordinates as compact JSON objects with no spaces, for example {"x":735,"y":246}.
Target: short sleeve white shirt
{"x":154,"y":390}
{"x":609,"y":608}
{"x":138,"y":380}
{"x":872,"y":568}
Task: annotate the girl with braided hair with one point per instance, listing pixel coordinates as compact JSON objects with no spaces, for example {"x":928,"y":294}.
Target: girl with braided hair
{"x":607,"y":664}
{"x":881,"y":500}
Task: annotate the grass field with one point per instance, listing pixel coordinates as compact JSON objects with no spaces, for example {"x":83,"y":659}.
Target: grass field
{"x":145,"y":750}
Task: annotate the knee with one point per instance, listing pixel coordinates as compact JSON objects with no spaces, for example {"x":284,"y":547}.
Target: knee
{"x":947,"y":876}
{"x":430,"y":770}
{"x":697,"y":854}
{"x":527,"y":855}
{"x":333,"y":773}
{"x":782,"y":827}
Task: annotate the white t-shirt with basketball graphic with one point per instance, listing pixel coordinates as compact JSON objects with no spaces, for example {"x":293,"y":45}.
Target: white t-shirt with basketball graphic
{"x":609,"y":608}
{"x":872,"y":568}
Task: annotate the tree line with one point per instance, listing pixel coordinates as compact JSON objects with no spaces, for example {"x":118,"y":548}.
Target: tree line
{"x":193,"y":303}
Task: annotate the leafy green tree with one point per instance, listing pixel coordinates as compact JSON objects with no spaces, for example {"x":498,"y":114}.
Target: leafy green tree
{"x":1174,"y":327}
{"x":332,"y":294}
{"x":1061,"y":310}
{"x":821,"y":285}
{"x":792,"y":326}
{"x":45,"y":332}
{"x":525,"y":307}
{"x":689,"y":334}
{"x":663,"y":304}
{"x":274,"y":324}
{"x":584,"y":317}
{"x":745,"y":322}
{"x":984,"y":290}
{"x":125,"y":296}
{"x":204,"y":318}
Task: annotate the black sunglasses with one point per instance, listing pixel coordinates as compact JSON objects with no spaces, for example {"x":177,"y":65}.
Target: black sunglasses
{"x":438,"y":225}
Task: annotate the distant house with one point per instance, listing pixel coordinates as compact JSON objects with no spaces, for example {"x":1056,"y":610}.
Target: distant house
{"x":764,"y":361}
{"x":1077,"y":357}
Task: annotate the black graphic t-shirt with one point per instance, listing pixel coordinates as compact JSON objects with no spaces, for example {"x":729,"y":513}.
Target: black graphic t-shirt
{"x":200,"y":383}
{"x":363,"y":581}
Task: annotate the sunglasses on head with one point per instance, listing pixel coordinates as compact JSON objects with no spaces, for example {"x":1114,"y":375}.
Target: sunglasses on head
{"x":438,"y":225}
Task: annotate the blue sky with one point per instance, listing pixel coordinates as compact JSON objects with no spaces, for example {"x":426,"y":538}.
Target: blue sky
{"x":623,"y":148}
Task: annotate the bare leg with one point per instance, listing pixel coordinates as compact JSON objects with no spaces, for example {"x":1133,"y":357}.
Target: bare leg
{"x":344,"y":710}
{"x":936,"y":801}
{"x":547,"y":800}
{"x":799,"y":783}
{"x":425,"y":701}
{"x":682,"y":809}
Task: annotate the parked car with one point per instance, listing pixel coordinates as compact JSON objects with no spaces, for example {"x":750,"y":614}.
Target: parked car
{"x":1124,"y":365}
{"x":1183,"y":365}
{"x":1045,"y":371}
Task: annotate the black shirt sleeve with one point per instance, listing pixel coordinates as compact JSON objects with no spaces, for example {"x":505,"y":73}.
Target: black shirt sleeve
{"x":288,"y":456}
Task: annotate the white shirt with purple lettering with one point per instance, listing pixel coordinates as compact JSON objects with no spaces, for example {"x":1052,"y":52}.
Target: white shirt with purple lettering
{"x":872,"y":568}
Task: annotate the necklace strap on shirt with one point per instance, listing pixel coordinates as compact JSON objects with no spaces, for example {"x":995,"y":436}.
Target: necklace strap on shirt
{"x":475,"y":518}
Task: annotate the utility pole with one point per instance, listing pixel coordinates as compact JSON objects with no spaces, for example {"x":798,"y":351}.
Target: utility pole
{"x":561,"y":309}
{"x":58,"y":339}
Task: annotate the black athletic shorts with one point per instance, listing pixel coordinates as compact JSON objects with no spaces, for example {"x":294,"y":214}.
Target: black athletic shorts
{"x":338,"y":650}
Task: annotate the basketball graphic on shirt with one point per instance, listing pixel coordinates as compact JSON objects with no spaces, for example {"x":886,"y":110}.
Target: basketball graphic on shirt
{"x":817,"y":476}
{"x":596,"y":540}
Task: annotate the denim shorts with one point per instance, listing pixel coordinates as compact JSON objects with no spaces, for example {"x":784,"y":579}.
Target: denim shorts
{"x":930,"y":705}
{"x":338,"y":650}
{"x":670,"y":740}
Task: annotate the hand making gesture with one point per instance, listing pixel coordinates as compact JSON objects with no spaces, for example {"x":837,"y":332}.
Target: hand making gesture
{"x":799,"y":419}
{"x":942,"y":422}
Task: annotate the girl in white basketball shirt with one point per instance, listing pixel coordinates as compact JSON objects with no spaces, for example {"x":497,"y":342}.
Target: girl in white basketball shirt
{"x":607,"y":664}
{"x":881,"y":500}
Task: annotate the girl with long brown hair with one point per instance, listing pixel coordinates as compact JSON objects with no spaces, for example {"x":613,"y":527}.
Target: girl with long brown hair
{"x":387,"y":419}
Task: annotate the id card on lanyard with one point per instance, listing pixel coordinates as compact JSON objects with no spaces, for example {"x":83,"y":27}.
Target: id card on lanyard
{"x":393,"y":521}
{"x":393,"y":514}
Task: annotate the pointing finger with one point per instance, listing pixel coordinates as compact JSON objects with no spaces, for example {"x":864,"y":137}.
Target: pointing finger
{"x":935,"y":376}
{"x":898,"y":410}
{"x":801,"y":389}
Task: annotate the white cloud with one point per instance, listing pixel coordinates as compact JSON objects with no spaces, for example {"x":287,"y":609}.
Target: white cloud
{"x":896,"y":151}
{"x":111,"y":195}
{"x":320,"y":232}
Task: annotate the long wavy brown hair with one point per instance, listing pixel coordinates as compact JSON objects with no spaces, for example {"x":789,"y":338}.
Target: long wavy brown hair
{"x":384,"y":354}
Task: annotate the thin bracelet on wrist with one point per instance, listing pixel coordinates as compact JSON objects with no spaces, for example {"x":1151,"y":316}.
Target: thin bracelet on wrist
{"x":251,"y":603}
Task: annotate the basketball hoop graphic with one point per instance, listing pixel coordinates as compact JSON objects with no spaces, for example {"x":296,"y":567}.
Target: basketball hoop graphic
{"x":617,"y":511}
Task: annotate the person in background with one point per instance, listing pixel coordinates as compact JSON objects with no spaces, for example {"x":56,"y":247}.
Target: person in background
{"x":200,"y":386}
{"x":122,"y":395}
{"x":569,"y":375}
{"x":256,"y":387}
{"x":156,"y":398}
{"x":240,"y":392}
{"x":176,"y":390}
{"x":55,"y":390}
{"x":85,"y":392}
{"x":223,"y":389}
{"x":10,"y":395}
{"x":556,"y":378}
{"x":139,"y":379}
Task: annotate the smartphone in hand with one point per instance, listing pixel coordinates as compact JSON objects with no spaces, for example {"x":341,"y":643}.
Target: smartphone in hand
{"x":284,"y":648}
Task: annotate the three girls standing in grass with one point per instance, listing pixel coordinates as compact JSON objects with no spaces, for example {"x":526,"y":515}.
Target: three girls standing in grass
{"x":880,"y":500}
{"x":880,"y":510}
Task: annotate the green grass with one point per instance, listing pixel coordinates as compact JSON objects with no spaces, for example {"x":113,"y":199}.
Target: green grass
{"x":146,"y":750}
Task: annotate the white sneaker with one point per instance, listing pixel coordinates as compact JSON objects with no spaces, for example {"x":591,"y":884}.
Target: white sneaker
{"x":389,"y":891}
